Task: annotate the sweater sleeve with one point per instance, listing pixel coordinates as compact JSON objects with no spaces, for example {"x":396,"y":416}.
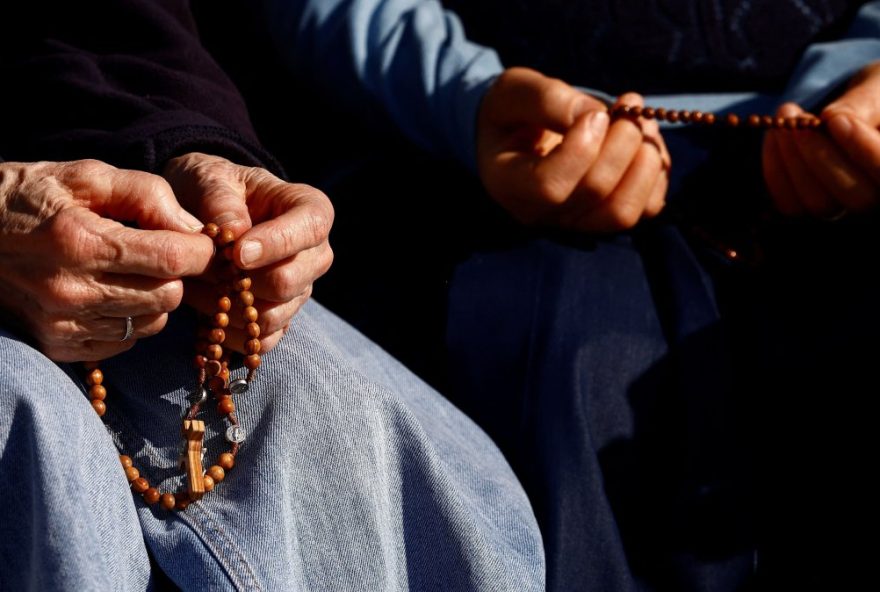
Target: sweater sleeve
{"x":408,"y":56}
{"x":127,"y":82}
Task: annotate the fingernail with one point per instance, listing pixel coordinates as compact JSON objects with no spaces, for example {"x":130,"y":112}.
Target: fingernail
{"x":598,"y":122}
{"x":840,"y":126}
{"x":225,"y":218}
{"x":251,"y":251}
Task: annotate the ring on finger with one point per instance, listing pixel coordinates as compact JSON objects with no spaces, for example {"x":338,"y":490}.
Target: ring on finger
{"x":129,"y":329}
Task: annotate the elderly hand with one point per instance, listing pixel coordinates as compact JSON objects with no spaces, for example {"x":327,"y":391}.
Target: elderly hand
{"x":282,"y":234}
{"x":550,"y":156}
{"x":72,"y":271}
{"x":829,"y":174}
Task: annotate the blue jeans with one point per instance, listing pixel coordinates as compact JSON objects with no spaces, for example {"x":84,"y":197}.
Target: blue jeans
{"x":355,"y":476}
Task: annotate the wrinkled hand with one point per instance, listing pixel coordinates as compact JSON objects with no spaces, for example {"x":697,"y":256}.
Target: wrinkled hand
{"x":72,"y":272}
{"x":282,"y":234}
{"x":828,"y":174}
{"x":550,"y":156}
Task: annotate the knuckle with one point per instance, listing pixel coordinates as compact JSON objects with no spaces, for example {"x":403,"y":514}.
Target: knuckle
{"x":170,"y":295}
{"x":624,"y":215}
{"x":174,"y":258}
{"x":600,"y":182}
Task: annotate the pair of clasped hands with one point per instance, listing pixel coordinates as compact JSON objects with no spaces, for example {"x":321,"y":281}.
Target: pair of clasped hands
{"x":84,"y":245}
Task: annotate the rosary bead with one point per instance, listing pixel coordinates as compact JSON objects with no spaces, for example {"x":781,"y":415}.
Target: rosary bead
{"x":648,"y":113}
{"x":224,"y":304}
{"x":225,"y":237}
{"x":253,"y":330}
{"x":199,"y":361}
{"x":225,"y":406}
{"x":684,"y":116}
{"x":697,"y":117}
{"x":214,"y":352}
{"x":152,"y":495}
{"x":217,"y":336}
{"x":216,"y":384}
{"x":140,"y":485}
{"x":167,"y":500}
{"x":131,"y":474}
{"x":226,"y":461}
{"x":211,"y":229}
{"x":252,"y":346}
{"x":99,"y":407}
{"x":709,"y":119}
{"x":217,"y":473}
{"x":98,"y":392}
{"x":126,"y":461}
{"x":732,"y":119}
{"x":181,"y":501}
{"x":207,"y":483}
{"x":213,"y":368}
{"x":221,"y":319}
{"x":660,"y":113}
{"x":252,"y":362}
{"x":246,"y":298}
{"x":767,"y":121}
{"x":95,"y":377}
{"x":753,"y":121}
{"x":672,"y":116}
{"x":250,"y":314}
{"x":780,"y":122}
{"x":224,"y":374}
{"x":243,"y":284}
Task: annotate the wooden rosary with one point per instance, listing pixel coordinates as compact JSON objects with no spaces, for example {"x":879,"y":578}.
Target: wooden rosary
{"x":212,"y":363}
{"x":731,"y":120}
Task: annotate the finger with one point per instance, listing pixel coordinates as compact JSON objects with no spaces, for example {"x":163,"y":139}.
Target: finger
{"x":861,"y":100}
{"x":859,"y":141}
{"x":625,"y":206}
{"x":127,"y":195}
{"x":106,"y":245}
{"x":524,"y":96}
{"x":781,"y":189}
{"x":287,"y":279}
{"x":657,"y":200}
{"x":66,"y":330}
{"x":109,"y":295}
{"x":618,"y":151}
{"x":236,"y":338}
{"x":811,"y":193}
{"x":86,"y":351}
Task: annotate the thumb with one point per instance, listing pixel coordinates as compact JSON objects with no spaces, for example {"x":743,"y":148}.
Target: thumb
{"x":525,"y":96}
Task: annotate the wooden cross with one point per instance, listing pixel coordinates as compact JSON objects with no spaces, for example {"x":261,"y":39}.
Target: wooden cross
{"x":194,"y":433}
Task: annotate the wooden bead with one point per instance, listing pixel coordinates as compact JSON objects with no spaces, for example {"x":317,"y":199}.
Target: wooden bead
{"x":152,"y":495}
{"x":199,"y":361}
{"x":167,"y":501}
{"x":225,"y":406}
{"x":140,"y":485}
{"x":253,"y":330}
{"x":226,"y":460}
{"x":753,"y":121}
{"x":208,"y":483}
{"x":225,"y":237}
{"x":213,"y":368}
{"x":732,"y":119}
{"x":95,"y":376}
{"x":766,"y":121}
{"x":217,"y":336}
{"x":224,"y":374}
{"x":709,"y":118}
{"x":214,"y":352}
{"x":98,"y":392}
{"x":216,"y":384}
{"x":99,"y":407}
{"x":672,"y":116}
{"x":221,"y":319}
{"x":648,"y":113}
{"x":211,"y":229}
{"x":125,"y":461}
{"x":780,"y":122}
{"x":131,"y":474}
{"x":697,"y":117}
{"x":217,"y":473}
{"x":243,"y":284}
{"x":224,"y":304}
{"x":246,"y":298}
{"x":250,"y":314}
{"x":660,"y":113}
{"x":252,"y":362}
{"x":252,"y":346}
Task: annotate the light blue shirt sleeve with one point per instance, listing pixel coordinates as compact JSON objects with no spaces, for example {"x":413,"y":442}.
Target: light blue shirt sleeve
{"x":409,"y":56}
{"x":824,"y":67}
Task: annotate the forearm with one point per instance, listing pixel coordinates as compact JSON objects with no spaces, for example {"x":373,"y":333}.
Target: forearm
{"x":408,"y":56}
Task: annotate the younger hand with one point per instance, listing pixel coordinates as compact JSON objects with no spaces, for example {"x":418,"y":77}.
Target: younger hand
{"x":282,"y":231}
{"x":72,"y":271}
{"x":550,"y":156}
{"x":829,"y":174}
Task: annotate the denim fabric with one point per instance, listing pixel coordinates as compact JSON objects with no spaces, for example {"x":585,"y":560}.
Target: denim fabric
{"x":354,"y":476}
